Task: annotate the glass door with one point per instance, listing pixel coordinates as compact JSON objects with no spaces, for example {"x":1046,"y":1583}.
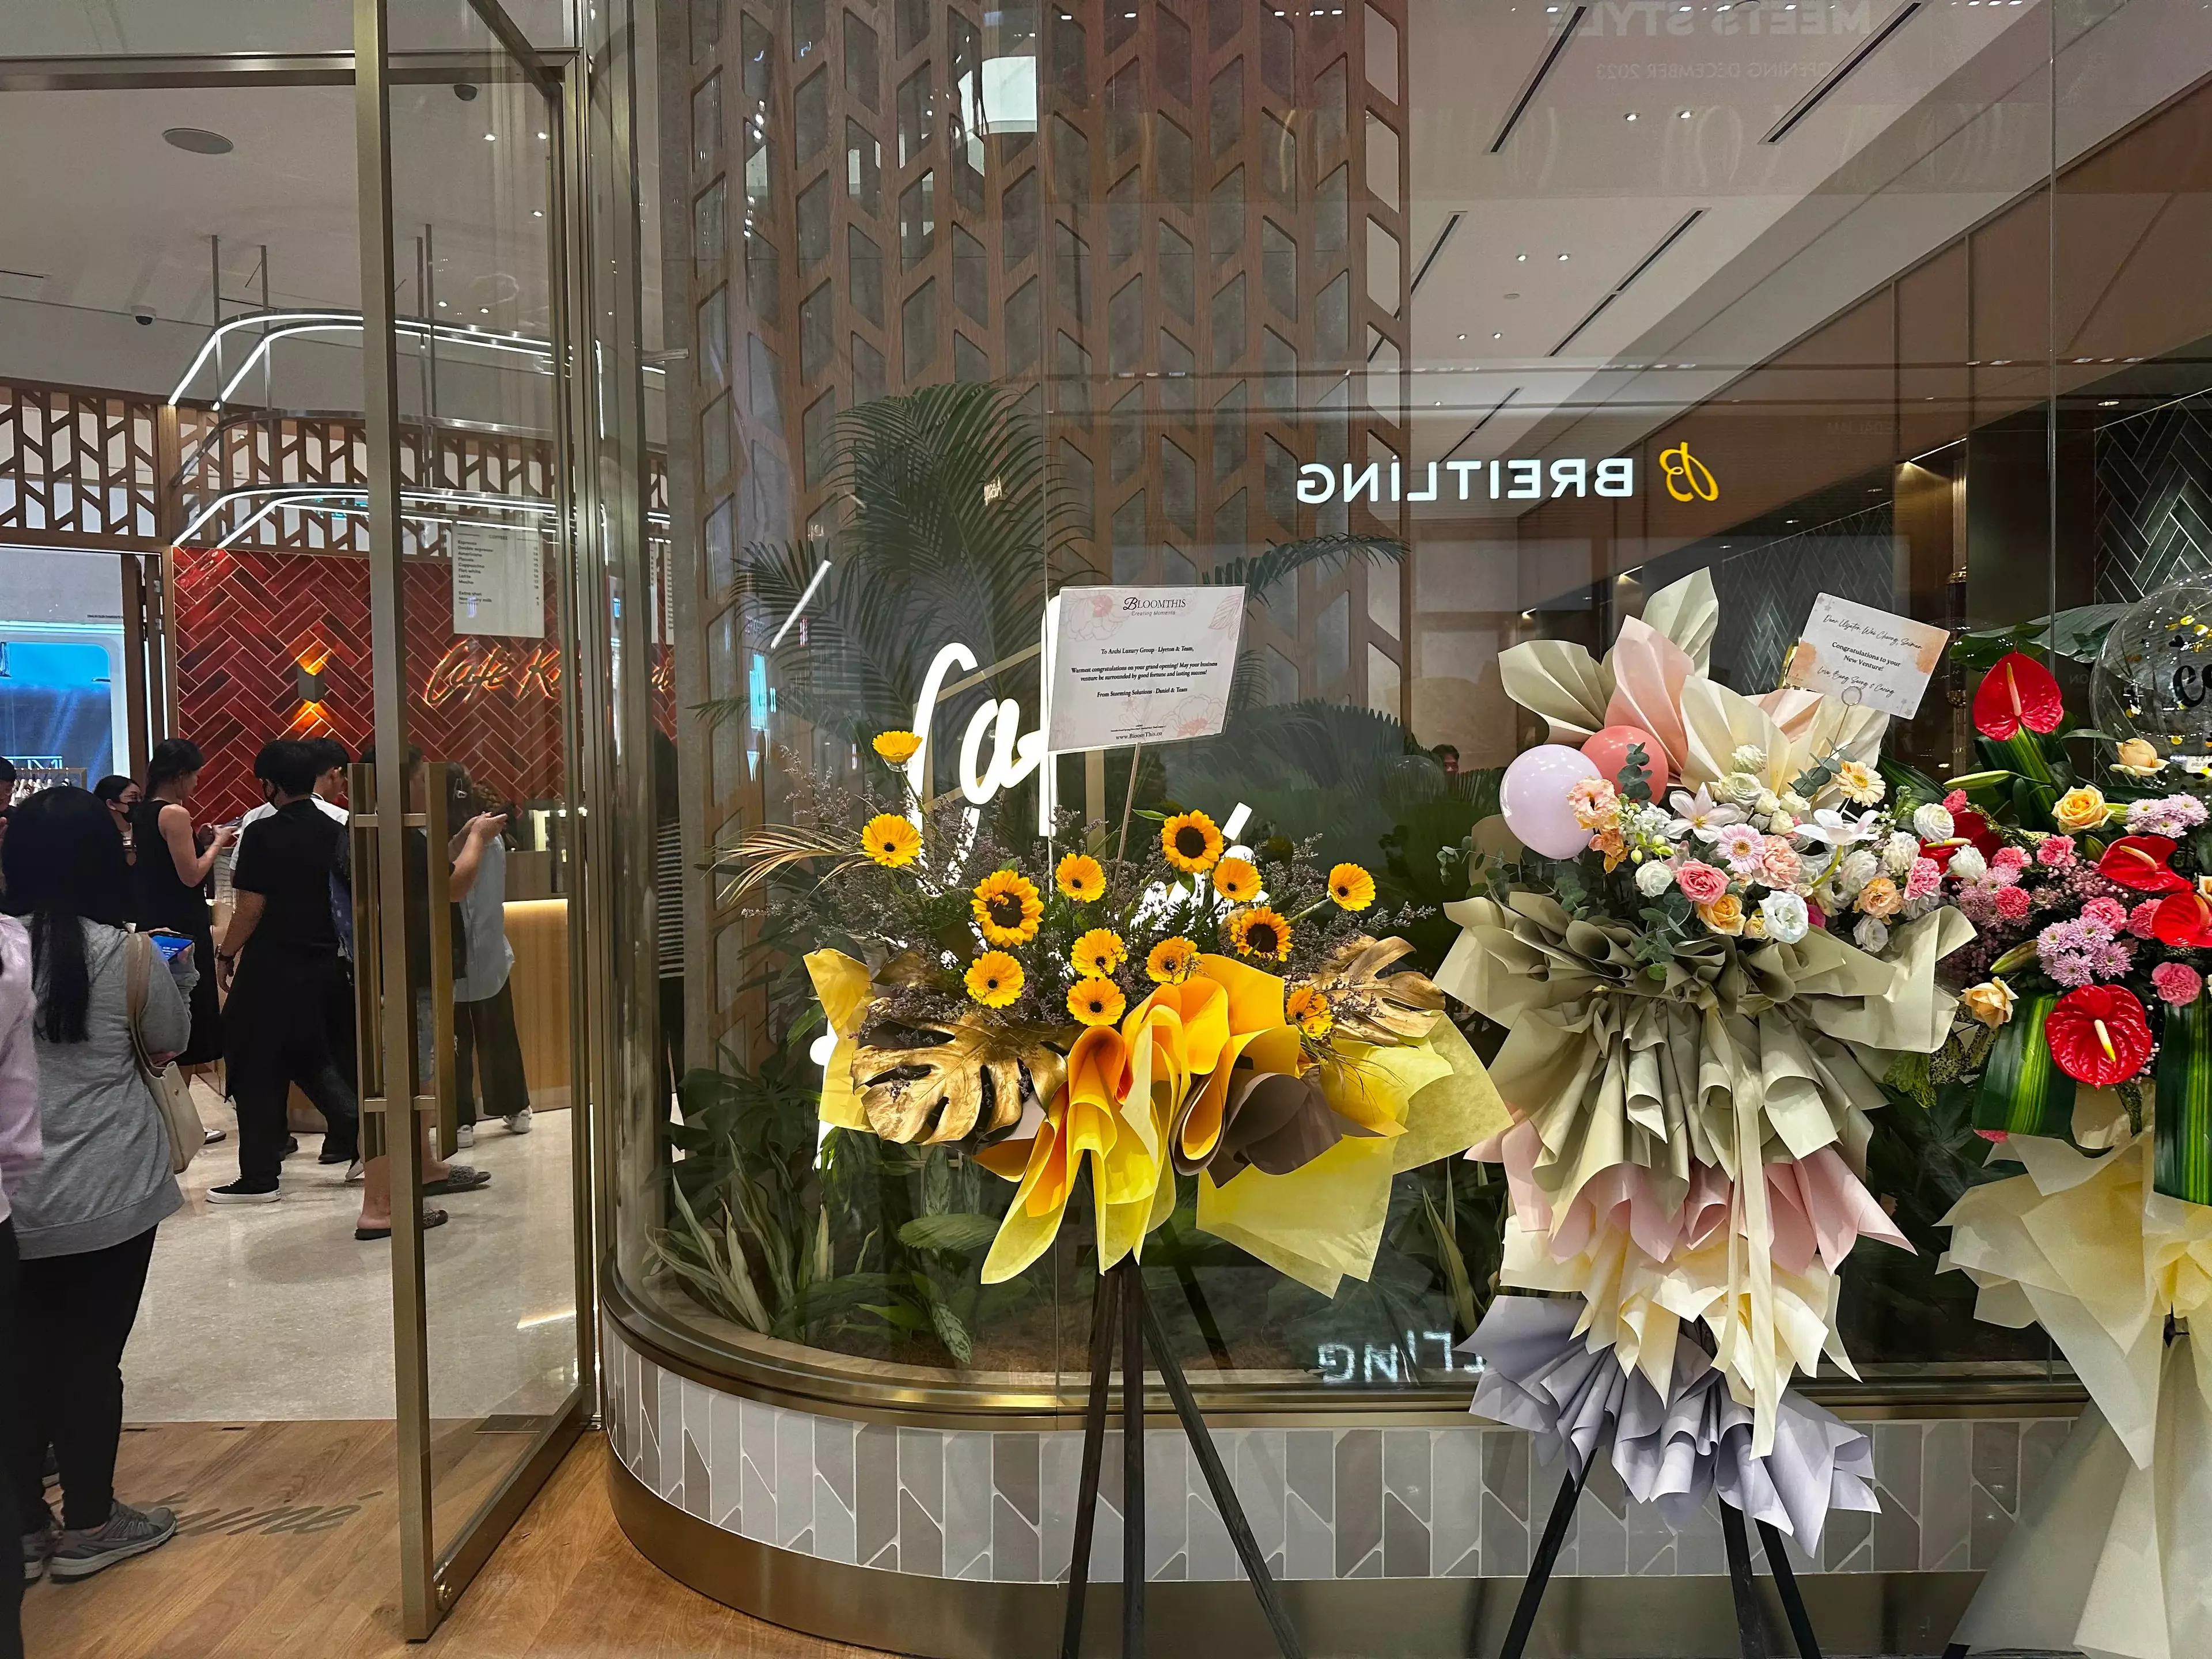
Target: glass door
{"x":471,"y":843}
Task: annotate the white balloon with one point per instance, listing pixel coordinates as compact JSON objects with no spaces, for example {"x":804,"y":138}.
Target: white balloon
{"x":1533,"y":798}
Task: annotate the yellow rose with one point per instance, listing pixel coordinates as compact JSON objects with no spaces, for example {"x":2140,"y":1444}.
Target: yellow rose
{"x":1880,"y":897}
{"x":2081,"y":809}
{"x":1990,"y":1002}
{"x":1725,"y":915}
{"x":2138,"y":758}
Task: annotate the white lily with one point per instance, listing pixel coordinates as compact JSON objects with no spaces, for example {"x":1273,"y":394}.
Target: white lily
{"x":1832,"y":828}
{"x":1701,"y":814}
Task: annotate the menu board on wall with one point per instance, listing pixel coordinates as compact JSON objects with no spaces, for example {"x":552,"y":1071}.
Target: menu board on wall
{"x":499,"y":580}
{"x":1142,"y":665}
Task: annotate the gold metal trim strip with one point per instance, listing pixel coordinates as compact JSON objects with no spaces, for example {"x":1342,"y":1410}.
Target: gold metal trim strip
{"x":1618,"y":1617}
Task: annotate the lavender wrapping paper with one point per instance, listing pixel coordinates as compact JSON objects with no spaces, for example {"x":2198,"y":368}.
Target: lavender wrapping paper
{"x":1539,"y":1375}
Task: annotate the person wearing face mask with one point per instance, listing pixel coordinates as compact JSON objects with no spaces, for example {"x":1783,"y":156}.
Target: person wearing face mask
{"x":279,"y":962}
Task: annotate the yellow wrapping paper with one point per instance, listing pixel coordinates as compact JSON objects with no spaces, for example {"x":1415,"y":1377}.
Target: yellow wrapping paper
{"x":841,"y":983}
{"x":2115,"y":1555}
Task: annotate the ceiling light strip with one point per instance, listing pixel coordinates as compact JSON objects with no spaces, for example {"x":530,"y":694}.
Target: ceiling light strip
{"x":1442,"y":236}
{"x":1873,"y":43}
{"x":1481,"y":424}
{"x":1543,"y":68}
{"x":1623,"y":285}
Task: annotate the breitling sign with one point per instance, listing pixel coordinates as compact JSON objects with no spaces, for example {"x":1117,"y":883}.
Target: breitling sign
{"x":1522,"y":479}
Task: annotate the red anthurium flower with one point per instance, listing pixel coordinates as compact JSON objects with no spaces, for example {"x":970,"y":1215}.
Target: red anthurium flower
{"x":2184,"y":920}
{"x":2098,"y":1034}
{"x":2140,"y":862}
{"x":2019,"y":691}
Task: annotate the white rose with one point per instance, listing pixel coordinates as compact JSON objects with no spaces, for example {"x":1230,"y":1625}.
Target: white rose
{"x":1748,"y":758}
{"x":1795,"y":804}
{"x":1740,"y":787}
{"x":1857,"y":869}
{"x":1785,"y":917}
{"x":1898,"y":853}
{"x":1767,"y":804}
{"x":1967,"y":864}
{"x":1654,"y":879}
{"x":1933,"y":823}
{"x":1780,"y":823}
{"x":1871,"y":934}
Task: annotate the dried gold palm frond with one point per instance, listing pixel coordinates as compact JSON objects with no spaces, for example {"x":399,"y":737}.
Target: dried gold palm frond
{"x":1371,"y":1006}
{"x":749,"y":862}
{"x":947,"y":1091}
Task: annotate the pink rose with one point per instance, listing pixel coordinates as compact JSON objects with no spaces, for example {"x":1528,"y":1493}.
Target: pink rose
{"x":2057,"y":852}
{"x":2176,"y":982}
{"x":2009,"y":858}
{"x":2109,"y":911}
{"x":1815,"y":915}
{"x":1778,"y":861}
{"x":1924,"y":878}
{"x":2012,"y":902}
{"x":1955,"y":801}
{"x":2142,"y":921}
{"x":1700,"y":883}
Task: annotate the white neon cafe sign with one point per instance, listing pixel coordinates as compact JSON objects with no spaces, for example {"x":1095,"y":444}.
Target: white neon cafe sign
{"x":1522,"y":480}
{"x":1013,"y":754}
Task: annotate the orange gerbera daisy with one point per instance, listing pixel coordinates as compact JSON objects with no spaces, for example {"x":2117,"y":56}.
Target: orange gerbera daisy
{"x":993,"y":979}
{"x":1236,"y":880}
{"x":1099,"y":952}
{"x":1080,"y":877}
{"x":1171,"y":961}
{"x":1095,"y":1001}
{"x":890,"y":841}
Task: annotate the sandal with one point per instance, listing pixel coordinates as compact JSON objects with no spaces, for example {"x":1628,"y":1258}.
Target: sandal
{"x":370,"y":1235}
{"x":459,"y":1178}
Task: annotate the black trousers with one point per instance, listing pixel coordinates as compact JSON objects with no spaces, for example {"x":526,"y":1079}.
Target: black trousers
{"x":485,"y":1039}
{"x":76,"y":1313}
{"x":278,"y":1026}
{"x":11,"y":1408}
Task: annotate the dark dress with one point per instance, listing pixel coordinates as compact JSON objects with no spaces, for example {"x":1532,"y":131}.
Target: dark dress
{"x":163,"y":901}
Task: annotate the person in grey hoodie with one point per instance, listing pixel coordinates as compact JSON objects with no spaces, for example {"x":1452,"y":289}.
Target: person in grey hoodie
{"x":18,"y":1156}
{"x":84,"y":1219}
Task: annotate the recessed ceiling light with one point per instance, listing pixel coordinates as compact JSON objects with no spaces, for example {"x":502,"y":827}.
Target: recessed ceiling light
{"x":2109,"y":402}
{"x":1521,"y":259}
{"x":538,"y":213}
{"x":442,"y":305}
{"x":492,"y":137}
{"x":1463,"y":336}
{"x":483,"y":311}
{"x":1498,"y":337}
{"x":198,"y":140}
{"x":544,"y":135}
{"x":1563,"y":259}
{"x":1681,"y":115}
{"x":1631,"y":115}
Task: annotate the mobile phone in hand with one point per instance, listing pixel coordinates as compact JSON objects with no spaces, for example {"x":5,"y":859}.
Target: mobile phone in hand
{"x":176,"y":949}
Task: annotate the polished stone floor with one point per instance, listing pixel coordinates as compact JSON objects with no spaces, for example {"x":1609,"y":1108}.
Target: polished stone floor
{"x":275,"y":1312}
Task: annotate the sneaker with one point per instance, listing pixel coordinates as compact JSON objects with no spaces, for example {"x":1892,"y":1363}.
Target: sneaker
{"x":39,"y":1548}
{"x":356,"y":1171}
{"x":238,"y":1192}
{"x":128,"y":1532}
{"x":330,"y":1154}
{"x":518,"y":1123}
{"x":210,"y":1137}
{"x":465,"y":1136}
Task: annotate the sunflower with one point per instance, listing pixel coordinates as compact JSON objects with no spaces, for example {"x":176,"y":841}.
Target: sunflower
{"x":1095,"y":1001}
{"x":1236,"y":880}
{"x":1191,"y":841}
{"x":994,"y":979}
{"x":1351,"y":887}
{"x":897,"y":747}
{"x":1080,"y":877}
{"x":1099,"y":952}
{"x":1309,"y":1010}
{"x":1260,"y":931}
{"x":1171,"y":961}
{"x":890,"y":841}
{"x":1006,"y":908}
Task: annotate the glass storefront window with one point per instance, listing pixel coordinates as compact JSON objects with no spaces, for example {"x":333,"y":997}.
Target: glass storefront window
{"x":1439,"y":329}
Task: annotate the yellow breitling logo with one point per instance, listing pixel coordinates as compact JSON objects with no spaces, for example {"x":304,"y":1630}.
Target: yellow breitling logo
{"x":1688,"y":478}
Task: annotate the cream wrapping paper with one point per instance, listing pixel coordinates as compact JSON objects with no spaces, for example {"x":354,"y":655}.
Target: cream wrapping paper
{"x":1639,"y":682}
{"x":2115,"y":1556}
{"x":1744,"y":1055}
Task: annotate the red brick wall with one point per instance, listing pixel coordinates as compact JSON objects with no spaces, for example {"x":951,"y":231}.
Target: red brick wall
{"x":246,"y":620}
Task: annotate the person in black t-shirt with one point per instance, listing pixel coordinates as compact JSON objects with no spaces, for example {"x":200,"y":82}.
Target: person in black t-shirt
{"x":280,"y":963}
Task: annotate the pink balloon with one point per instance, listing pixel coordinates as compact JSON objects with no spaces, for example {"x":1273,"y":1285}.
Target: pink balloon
{"x":1533,"y":797}
{"x":1608,"y":748}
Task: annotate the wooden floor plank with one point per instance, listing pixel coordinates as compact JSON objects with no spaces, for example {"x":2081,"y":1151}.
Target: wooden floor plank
{"x":289,"y":1546}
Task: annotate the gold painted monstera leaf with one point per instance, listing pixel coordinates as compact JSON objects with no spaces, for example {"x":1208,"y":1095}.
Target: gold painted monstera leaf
{"x":1371,"y":1006}
{"x":932,"y":1092}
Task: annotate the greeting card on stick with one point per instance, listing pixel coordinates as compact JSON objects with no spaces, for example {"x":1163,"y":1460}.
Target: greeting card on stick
{"x":1142,"y":665}
{"x":1866,"y":656}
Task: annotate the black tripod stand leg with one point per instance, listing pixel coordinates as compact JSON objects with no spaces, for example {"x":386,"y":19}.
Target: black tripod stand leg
{"x":1223,"y":1490}
{"x":1103,"y":1309}
{"x":1750,"y":1617}
{"x":1785,"y":1585}
{"x":1547,"y":1557}
{"x":1132,"y":1289}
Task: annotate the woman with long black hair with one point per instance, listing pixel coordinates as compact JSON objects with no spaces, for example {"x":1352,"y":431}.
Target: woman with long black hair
{"x":171,"y":878}
{"x":20,"y":1156}
{"x":84,"y":1220}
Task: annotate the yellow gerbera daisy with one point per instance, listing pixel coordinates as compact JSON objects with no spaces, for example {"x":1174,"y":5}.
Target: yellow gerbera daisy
{"x":1095,"y":1001}
{"x":1099,"y":952}
{"x":1260,"y":931}
{"x":1351,"y":887}
{"x":1191,"y":841}
{"x":1080,"y":877}
{"x":994,"y":979}
{"x":890,"y":841}
{"x":1236,"y":880}
{"x":1171,"y":961}
{"x":1007,"y":907}
{"x":897,"y":747}
{"x":1308,"y":1009}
